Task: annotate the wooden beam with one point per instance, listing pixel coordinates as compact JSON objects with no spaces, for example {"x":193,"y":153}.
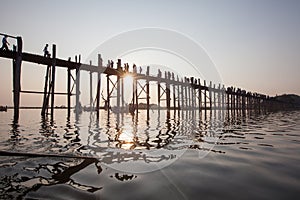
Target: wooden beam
{"x":39,"y":92}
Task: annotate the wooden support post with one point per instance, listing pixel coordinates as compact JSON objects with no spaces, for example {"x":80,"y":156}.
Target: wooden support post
{"x":91,"y":88}
{"x":215,"y":99}
{"x":185,"y":94}
{"x":205,"y":96}
{"x":223,"y":97}
{"x":108,"y":93}
{"x":174,"y":96}
{"x":99,"y":85}
{"x":173,"y":90}
{"x":238,"y":99}
{"x":243,"y":100}
{"x":118,"y":87}
{"x":192,"y":93}
{"x":182,"y":94}
{"x":189,"y":95}
{"x":77,"y":100}
{"x":168,"y":96}
{"x":45,"y":99}
{"x":253,"y":102}
{"x":243,"y":104}
{"x":133,"y":86}
{"x":135,"y":91}
{"x":194,"y":98}
{"x":53,"y":79}
{"x":247,"y":101}
{"x":17,"y":78}
{"x":69,"y":92}
{"x":232,"y":99}
{"x":119,"y":68}
{"x":210,"y":95}
{"x":178,"y":93}
{"x":158,"y":95}
{"x":250,"y":101}
{"x":228,"y":98}
{"x":261,"y":101}
{"x":122,"y":93}
{"x":158,"y":89}
{"x":219,"y":97}
{"x":118,"y":94}
{"x":148,"y":92}
{"x":136,"y":95}
{"x":49,"y":89}
{"x":199,"y":95}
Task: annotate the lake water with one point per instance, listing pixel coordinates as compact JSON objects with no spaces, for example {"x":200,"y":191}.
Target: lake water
{"x":186,"y":155}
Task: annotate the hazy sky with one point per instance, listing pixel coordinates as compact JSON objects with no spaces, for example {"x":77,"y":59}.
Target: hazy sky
{"x":254,"y":44}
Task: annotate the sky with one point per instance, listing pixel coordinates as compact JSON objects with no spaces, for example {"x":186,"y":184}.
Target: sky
{"x":254,"y":44}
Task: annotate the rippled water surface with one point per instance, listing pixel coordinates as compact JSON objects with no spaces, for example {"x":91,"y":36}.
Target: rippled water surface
{"x":183,"y":155}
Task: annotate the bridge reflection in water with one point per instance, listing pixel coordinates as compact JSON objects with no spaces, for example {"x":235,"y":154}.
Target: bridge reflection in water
{"x":87,"y":154}
{"x":122,"y":142}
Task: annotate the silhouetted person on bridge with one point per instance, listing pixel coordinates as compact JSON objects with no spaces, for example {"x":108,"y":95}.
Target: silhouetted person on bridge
{"x":46,"y":52}
{"x":4,"y":43}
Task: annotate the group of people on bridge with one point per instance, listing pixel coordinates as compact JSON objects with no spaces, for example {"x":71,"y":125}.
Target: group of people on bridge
{"x":5,"y":45}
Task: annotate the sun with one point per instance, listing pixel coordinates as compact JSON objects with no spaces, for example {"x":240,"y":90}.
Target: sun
{"x":128,"y":79}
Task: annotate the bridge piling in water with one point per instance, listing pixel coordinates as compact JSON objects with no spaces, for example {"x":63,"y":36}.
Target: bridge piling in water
{"x":53,"y":80}
{"x":17,"y":62}
{"x":100,"y":64}
{"x":69,"y":76}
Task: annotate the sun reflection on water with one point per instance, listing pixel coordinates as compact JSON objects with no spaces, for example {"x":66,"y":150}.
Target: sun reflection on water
{"x":126,"y":139}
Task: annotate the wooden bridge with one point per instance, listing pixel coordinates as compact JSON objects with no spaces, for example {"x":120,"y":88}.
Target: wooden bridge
{"x":178,"y":93}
